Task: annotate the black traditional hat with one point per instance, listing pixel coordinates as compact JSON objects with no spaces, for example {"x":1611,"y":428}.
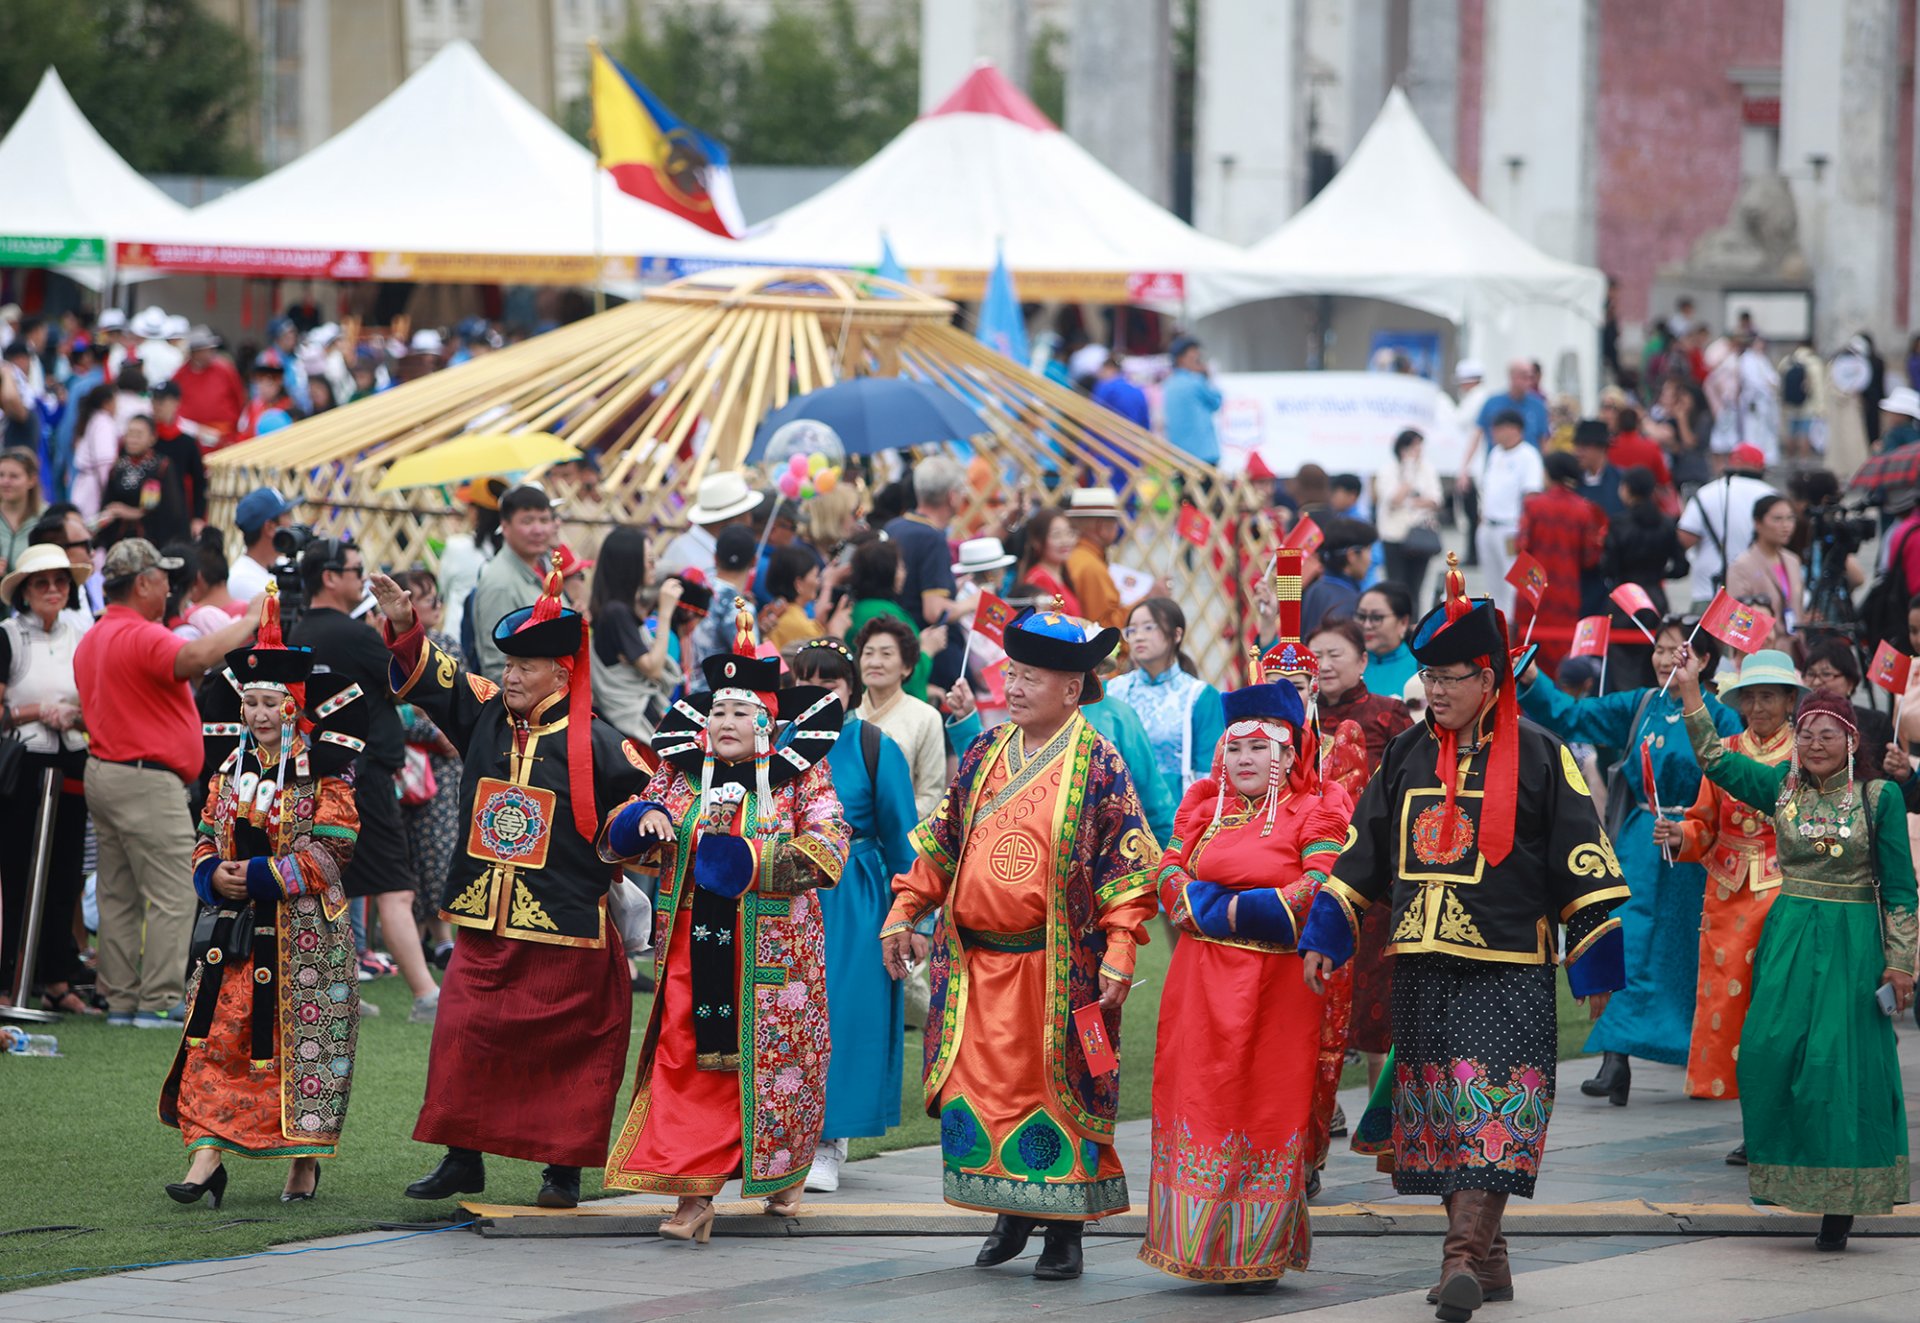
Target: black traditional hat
{"x":1055,"y":641}
{"x":545,"y":629}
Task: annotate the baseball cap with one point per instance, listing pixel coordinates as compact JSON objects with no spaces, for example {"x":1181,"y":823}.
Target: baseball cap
{"x":166,"y":390}
{"x":1748,"y":459}
{"x":734,"y":548}
{"x":134,"y":556}
{"x":1181,"y":344}
{"x":258,"y":506}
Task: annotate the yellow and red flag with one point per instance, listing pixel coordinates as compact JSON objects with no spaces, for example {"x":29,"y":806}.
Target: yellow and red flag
{"x":1737,"y":624}
{"x":1591,"y":637}
{"x":1890,"y":668}
{"x":1529,"y":578}
{"x":655,"y":157}
{"x":1303,"y":536}
{"x":991,"y":618}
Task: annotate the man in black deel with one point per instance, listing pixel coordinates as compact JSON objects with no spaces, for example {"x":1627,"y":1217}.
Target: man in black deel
{"x":334,"y":576}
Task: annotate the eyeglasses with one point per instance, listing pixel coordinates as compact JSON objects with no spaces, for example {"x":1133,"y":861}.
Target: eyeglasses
{"x":1371,"y":617}
{"x":1824,"y":674}
{"x":1433,"y":679}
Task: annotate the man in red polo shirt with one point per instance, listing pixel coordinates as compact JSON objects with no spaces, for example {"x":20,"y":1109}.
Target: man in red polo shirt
{"x":135,"y":679}
{"x":212,"y":396}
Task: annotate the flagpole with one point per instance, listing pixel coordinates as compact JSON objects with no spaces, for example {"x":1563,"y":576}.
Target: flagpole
{"x":1603,"y":670}
{"x":593,"y":142}
{"x":1653,"y":793}
{"x":1685,"y":653}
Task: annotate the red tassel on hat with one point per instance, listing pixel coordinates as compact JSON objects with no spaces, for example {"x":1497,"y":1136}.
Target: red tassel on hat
{"x":551,"y":604}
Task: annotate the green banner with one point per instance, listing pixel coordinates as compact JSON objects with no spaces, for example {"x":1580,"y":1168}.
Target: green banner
{"x":29,"y":250}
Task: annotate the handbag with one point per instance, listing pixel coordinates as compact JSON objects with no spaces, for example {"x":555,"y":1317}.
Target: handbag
{"x":632,"y":915}
{"x":417,"y":783}
{"x":1421,"y":540}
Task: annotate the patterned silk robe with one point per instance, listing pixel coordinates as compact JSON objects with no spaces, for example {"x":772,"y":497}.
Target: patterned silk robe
{"x":1043,"y":867}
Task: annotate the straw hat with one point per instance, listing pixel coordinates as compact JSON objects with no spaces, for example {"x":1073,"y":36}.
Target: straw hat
{"x":980,"y":554}
{"x":40,"y":559}
{"x":1767,"y":666}
{"x":722,"y":496}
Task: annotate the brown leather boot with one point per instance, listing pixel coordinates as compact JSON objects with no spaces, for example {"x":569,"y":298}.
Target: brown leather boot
{"x":1458,"y":1294}
{"x":1491,"y":1268}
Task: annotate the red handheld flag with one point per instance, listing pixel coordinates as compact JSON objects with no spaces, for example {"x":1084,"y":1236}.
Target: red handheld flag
{"x":1890,"y":668}
{"x":1591,"y":637}
{"x":1736,"y":624}
{"x":1633,"y":599}
{"x":1304,"y":536}
{"x":1194,"y":526}
{"x":991,"y":617}
{"x":1090,"y":1023}
{"x":1529,"y":578}
{"x":1646,"y":776}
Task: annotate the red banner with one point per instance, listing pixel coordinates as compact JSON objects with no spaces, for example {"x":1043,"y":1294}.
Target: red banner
{"x":1591,"y":637}
{"x":1890,"y":668}
{"x":1529,"y":578}
{"x":991,"y":617}
{"x":247,"y":260}
{"x":1633,"y":599}
{"x":1736,"y":624}
{"x":1194,"y":526}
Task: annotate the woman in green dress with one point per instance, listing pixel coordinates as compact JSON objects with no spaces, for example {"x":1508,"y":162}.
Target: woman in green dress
{"x":1820,"y":1099}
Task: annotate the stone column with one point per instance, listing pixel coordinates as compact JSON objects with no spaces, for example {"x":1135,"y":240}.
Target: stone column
{"x":1839,"y":93}
{"x":1249,"y":148}
{"x":1432,"y":75}
{"x":1120,"y":89}
{"x":957,"y":34}
{"x":1539,"y":113}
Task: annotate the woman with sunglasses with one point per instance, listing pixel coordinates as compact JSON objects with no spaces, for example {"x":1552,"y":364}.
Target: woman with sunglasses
{"x":1652,"y":1017}
{"x":1820,"y":1093}
{"x":866,"y":1006}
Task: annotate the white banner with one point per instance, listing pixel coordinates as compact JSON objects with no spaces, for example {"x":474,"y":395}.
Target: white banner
{"x":1343,"y":421}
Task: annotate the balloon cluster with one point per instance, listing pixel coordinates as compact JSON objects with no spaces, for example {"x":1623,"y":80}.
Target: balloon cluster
{"x":807,"y":476}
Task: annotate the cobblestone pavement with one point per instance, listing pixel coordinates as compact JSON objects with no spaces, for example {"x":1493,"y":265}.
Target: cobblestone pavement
{"x":883,"y":1249}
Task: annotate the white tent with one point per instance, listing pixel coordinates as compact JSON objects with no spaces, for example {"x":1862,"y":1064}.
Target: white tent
{"x":987,"y":168}
{"x":1397,"y":225}
{"x":69,"y":195}
{"x":453,"y":177}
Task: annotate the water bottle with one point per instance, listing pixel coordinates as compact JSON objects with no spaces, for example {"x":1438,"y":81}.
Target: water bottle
{"x":23,"y":1044}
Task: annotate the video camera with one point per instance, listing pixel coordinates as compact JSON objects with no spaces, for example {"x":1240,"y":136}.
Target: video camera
{"x":289,"y":543}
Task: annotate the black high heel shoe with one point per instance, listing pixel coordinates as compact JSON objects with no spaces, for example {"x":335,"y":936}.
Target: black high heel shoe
{"x":304,"y":1195}
{"x":1611,"y":1081}
{"x":1834,"y":1229}
{"x":189,"y":1192}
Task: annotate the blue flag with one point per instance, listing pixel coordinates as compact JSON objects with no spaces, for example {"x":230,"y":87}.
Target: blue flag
{"x":1003,"y":328}
{"x":889,"y":268}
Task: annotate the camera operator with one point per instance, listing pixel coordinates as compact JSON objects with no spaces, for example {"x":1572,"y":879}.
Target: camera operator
{"x":334,"y":577}
{"x":261,"y":513}
{"x":1717,"y":524}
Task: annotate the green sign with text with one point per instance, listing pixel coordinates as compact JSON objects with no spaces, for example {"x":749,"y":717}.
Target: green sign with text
{"x":32,"y":250}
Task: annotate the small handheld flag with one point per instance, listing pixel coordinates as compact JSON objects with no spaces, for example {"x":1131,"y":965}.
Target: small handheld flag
{"x":1304,"y":536}
{"x":1194,"y":526}
{"x":1090,"y":1026}
{"x":1737,"y":624}
{"x":1529,"y":578}
{"x":991,"y":617}
{"x":1591,"y":637}
{"x":1890,"y":668}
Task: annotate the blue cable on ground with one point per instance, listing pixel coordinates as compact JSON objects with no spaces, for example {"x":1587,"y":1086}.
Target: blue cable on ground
{"x":236,"y":1258}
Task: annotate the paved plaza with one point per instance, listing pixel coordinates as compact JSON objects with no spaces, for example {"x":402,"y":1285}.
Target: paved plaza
{"x":1638,"y":1218}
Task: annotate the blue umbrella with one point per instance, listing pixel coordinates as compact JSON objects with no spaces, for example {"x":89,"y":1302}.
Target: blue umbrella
{"x":873,"y":414}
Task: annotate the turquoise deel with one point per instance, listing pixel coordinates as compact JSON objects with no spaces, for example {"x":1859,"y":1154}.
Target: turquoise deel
{"x":865,"y":1007}
{"x":1652,"y":1017}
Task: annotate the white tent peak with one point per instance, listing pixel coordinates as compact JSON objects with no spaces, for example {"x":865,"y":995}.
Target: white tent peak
{"x":451,"y":161}
{"x":67,"y":181}
{"x":986,"y":91}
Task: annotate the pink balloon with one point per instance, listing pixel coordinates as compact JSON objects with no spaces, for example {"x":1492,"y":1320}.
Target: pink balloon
{"x":797,"y":465}
{"x":789,"y":486}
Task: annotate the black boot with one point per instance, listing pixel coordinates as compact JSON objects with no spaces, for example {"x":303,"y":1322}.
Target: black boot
{"x":1611,"y":1081}
{"x":559,"y":1188}
{"x":1834,"y":1229}
{"x":460,"y":1172}
{"x":1007,"y":1240}
{"x":1060,"y":1259}
{"x":1738,"y":1158}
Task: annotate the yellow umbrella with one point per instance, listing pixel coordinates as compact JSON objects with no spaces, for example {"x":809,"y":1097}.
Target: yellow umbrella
{"x":469,"y":456}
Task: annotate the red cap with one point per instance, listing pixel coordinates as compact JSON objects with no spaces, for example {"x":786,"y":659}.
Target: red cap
{"x":1747,"y":458}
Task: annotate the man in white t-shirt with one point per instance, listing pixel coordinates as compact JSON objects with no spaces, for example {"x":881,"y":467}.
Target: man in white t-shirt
{"x":261,"y":513}
{"x":1505,"y":471}
{"x":1717,"y":524}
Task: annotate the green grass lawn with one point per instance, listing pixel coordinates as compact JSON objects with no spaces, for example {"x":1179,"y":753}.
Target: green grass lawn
{"x":84,"y":1157}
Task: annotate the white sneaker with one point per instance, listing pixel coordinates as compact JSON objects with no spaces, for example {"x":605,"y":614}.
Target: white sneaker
{"x":424,"y":1009}
{"x":828,"y":1155}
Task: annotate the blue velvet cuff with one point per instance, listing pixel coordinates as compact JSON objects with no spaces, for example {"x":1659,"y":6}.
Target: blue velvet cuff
{"x":1328,"y":930}
{"x":623,"y":833}
{"x":1208,"y":901}
{"x":723,"y":865}
{"x":1262,"y":916}
{"x":1602,"y":967}
{"x":203,"y":880}
{"x":261,"y":883}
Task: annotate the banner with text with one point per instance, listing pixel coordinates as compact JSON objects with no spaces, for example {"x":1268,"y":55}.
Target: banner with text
{"x":1343,"y":421}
